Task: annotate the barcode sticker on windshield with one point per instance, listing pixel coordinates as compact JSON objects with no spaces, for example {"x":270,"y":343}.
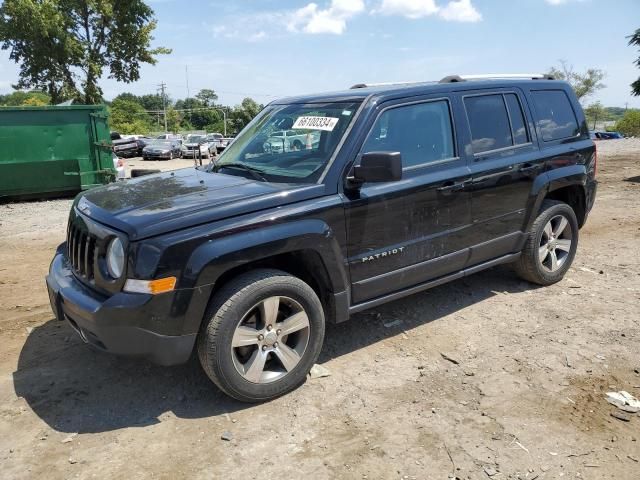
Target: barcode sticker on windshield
{"x":316,"y":123}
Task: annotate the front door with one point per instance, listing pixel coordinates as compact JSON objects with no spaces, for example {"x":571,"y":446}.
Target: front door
{"x":407,"y":232}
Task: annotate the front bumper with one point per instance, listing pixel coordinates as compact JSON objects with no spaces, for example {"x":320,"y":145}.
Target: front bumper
{"x":151,"y":155}
{"x":115,"y":324}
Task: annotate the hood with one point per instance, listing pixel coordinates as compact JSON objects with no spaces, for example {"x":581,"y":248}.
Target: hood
{"x":193,"y":144}
{"x":155,"y":204}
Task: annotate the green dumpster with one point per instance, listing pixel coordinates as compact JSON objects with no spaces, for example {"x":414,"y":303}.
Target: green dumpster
{"x":54,"y":150}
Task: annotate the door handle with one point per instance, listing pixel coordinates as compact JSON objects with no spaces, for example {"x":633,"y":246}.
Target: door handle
{"x":451,"y":187}
{"x":528,"y":167}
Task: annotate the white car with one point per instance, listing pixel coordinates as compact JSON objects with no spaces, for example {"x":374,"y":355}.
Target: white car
{"x":290,"y":140}
{"x":192,"y":144}
{"x":120,"y":166}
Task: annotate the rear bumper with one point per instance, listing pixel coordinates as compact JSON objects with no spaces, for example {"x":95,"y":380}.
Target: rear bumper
{"x":113,"y":324}
{"x":591,"y":189}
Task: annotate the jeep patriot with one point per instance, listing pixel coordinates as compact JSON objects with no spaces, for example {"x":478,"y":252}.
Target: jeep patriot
{"x":405,"y":187}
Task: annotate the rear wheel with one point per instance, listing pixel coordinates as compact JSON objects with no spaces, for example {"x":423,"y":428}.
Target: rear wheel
{"x":262,"y":334}
{"x":551,"y":244}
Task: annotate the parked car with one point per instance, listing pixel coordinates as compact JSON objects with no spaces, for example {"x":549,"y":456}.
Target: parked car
{"x":169,"y":136}
{"x":161,"y":150}
{"x":142,"y":142}
{"x":124,"y":147}
{"x":215,"y":142}
{"x":224,"y":143}
{"x":119,"y":164}
{"x":194,"y":143}
{"x":408,"y":187}
{"x":607,"y":135}
{"x":290,"y":140}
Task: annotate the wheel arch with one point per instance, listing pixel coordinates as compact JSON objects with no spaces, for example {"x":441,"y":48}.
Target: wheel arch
{"x":566,"y":184}
{"x":307,"y":249}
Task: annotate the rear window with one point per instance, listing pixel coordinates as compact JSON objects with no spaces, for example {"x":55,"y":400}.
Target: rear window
{"x":556,"y":118}
{"x":489,"y":122}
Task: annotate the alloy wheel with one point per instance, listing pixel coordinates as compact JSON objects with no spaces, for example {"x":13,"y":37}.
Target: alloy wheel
{"x":555,"y":243}
{"x":270,"y":340}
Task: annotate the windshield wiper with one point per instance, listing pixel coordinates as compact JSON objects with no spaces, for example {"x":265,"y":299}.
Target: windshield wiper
{"x":255,"y":172}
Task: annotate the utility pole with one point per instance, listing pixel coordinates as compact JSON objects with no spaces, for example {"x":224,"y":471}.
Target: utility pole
{"x":186,"y":73}
{"x":164,"y":104}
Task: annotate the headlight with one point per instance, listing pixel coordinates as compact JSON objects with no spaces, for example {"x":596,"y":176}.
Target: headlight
{"x":115,"y":258}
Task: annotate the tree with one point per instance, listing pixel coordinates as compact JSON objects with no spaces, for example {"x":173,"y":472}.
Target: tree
{"x":635,"y":40}
{"x":594,"y":113}
{"x":242,"y":114}
{"x":129,"y":117}
{"x":584,"y":84}
{"x":173,"y":120}
{"x":207,"y":96}
{"x":629,"y":125}
{"x":64,"y":46}
{"x":21,"y":98}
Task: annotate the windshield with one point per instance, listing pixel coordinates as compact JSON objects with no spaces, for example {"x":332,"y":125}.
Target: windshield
{"x":195,"y":138}
{"x":313,"y":133}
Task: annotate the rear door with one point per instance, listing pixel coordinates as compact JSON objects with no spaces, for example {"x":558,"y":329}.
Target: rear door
{"x":504,"y":160}
{"x":407,"y":232}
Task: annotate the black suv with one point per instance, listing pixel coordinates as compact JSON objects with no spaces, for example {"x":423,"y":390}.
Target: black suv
{"x":393,"y":189}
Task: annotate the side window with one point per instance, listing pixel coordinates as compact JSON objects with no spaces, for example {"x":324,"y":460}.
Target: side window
{"x":421,"y":132}
{"x":556,"y":119}
{"x":489,"y":122}
{"x":518,"y":126}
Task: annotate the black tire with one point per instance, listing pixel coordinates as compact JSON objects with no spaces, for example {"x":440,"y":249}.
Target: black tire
{"x":226,"y":310}
{"x":529,"y":266}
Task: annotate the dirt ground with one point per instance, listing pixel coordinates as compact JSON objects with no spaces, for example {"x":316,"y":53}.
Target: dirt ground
{"x":524,"y":398}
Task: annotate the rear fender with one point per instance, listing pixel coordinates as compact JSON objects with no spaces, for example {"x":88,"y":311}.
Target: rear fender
{"x":550,"y":181}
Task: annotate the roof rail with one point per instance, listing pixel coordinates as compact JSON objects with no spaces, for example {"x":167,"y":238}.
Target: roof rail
{"x":496,"y":76}
{"x":383,"y":84}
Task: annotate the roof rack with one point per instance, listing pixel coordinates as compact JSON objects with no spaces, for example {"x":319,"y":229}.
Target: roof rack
{"x":464,"y":78}
{"x":496,"y":76}
{"x":382,"y":84}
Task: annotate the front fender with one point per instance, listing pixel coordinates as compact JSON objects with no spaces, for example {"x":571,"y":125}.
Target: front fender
{"x":213,"y":258}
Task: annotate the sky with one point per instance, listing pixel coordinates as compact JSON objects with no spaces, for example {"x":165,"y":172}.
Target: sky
{"x":268,"y":49}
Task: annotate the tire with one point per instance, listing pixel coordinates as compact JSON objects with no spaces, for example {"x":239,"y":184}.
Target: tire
{"x":544,"y":244}
{"x":241,"y":304}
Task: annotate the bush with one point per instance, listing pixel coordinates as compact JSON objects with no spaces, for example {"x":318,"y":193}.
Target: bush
{"x":629,"y":125}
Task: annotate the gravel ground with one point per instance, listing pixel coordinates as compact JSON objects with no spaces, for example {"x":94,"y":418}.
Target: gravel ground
{"x":523,"y":397}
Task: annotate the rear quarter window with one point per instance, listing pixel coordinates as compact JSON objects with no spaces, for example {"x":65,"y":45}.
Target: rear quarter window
{"x":556,"y":119}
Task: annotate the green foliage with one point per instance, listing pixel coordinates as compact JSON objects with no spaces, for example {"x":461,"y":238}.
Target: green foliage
{"x":207,"y":97}
{"x":174,"y":120}
{"x":129,"y":117}
{"x":22,"y":98}
{"x":584,"y":84}
{"x":635,"y":40}
{"x":629,"y":125}
{"x":595,"y":113}
{"x":64,"y":46}
{"x":242,"y":114}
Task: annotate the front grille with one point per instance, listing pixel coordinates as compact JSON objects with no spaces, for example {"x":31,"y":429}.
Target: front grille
{"x":81,"y":251}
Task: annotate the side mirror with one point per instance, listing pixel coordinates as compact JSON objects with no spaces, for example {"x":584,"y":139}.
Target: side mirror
{"x":378,"y":167}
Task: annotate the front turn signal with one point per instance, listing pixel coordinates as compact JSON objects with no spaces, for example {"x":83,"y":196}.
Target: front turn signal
{"x":154,"y":287}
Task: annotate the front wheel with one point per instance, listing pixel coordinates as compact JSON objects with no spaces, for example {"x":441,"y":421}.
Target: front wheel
{"x":551,"y":244}
{"x":261,"y":335}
